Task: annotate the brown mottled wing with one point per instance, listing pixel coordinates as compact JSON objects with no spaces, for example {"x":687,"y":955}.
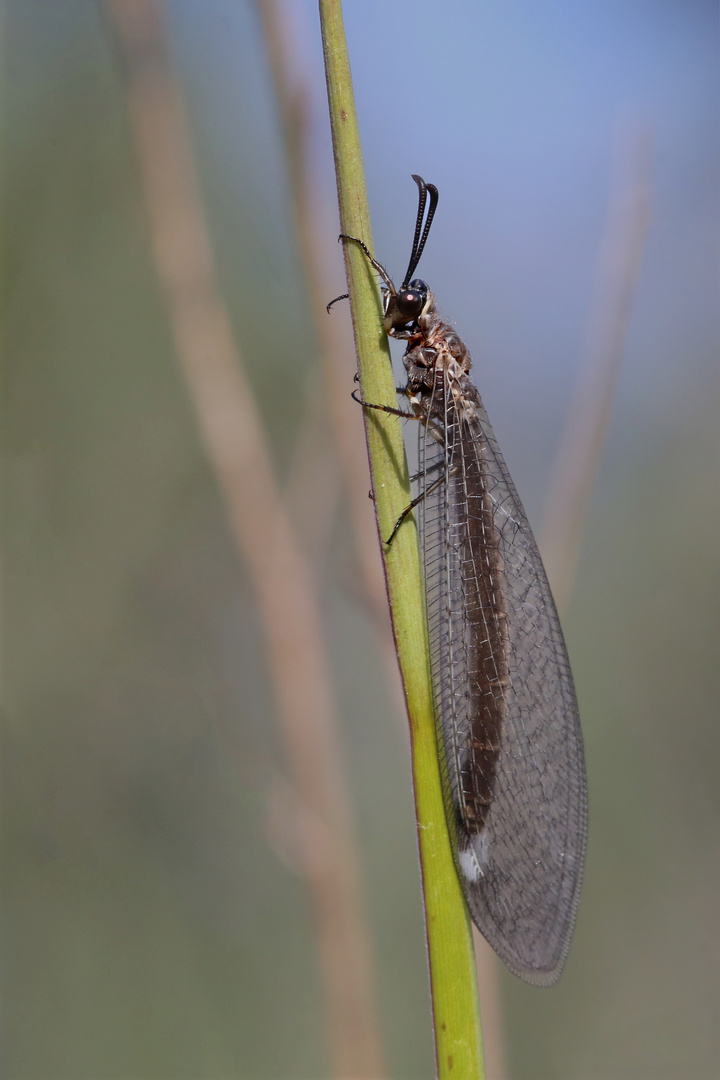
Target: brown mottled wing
{"x":508,"y":726}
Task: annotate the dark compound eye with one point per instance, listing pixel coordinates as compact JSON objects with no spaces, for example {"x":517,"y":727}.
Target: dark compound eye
{"x":409,"y":303}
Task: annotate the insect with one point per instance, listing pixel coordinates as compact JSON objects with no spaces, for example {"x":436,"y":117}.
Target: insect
{"x":507,"y":721}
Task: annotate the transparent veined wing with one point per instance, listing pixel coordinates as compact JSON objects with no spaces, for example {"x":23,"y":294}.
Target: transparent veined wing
{"x":508,"y":726}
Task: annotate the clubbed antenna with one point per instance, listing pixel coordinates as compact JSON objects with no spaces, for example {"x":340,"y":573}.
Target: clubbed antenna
{"x":418,"y":239}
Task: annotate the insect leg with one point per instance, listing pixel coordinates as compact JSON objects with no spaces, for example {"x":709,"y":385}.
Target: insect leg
{"x":373,"y":262}
{"x":385,"y":408}
{"x":411,"y":506}
{"x":436,"y":434}
{"x":344,"y":296}
{"x":424,"y":472}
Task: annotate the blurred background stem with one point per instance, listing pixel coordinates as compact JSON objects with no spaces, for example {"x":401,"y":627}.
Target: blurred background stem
{"x":584,"y":435}
{"x":235,"y":443}
{"x":337,"y":362}
{"x":588,"y":418}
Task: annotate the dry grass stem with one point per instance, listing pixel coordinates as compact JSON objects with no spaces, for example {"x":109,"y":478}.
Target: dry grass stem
{"x":488,"y":976}
{"x":315,"y":238}
{"x":236,"y":446}
{"x":589,"y":415}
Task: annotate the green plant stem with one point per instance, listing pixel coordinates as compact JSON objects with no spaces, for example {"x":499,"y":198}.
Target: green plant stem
{"x":456,"y":1014}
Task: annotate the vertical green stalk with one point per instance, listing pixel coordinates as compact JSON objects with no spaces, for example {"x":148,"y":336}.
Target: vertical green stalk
{"x":456,"y":1014}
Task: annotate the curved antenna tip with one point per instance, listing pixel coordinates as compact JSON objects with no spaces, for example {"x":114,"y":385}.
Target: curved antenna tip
{"x":421,"y":234}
